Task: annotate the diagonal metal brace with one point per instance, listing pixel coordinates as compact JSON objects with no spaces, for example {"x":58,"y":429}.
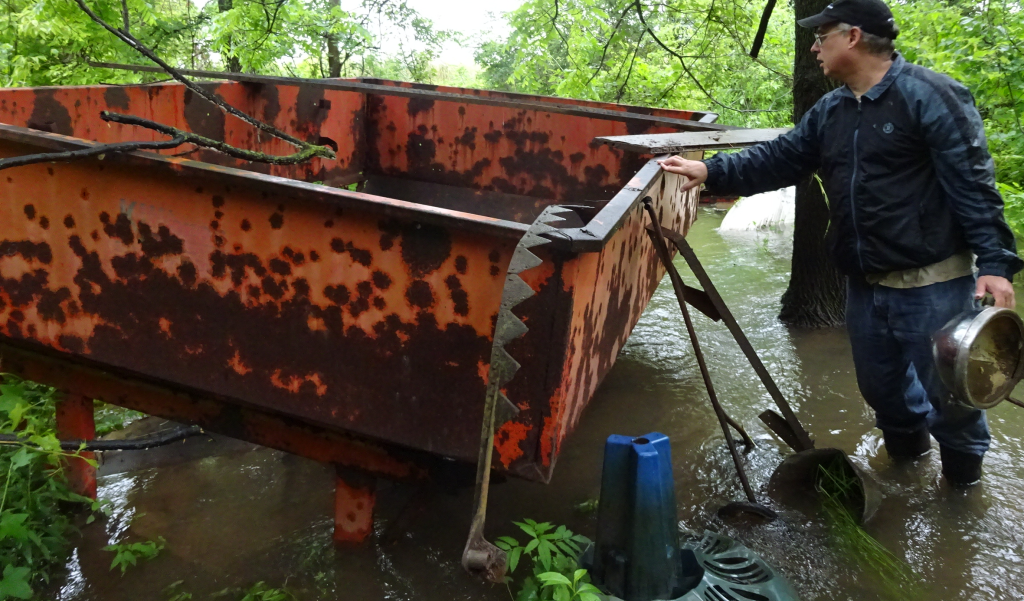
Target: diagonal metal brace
{"x":787,"y":426}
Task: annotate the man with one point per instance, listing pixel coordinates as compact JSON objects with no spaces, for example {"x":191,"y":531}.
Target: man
{"x":913,"y":203}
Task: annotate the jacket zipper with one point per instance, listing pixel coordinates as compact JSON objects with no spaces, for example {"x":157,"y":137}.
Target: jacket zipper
{"x":853,"y":184}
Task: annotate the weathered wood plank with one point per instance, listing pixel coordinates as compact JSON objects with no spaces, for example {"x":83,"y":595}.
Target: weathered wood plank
{"x":694,"y":140}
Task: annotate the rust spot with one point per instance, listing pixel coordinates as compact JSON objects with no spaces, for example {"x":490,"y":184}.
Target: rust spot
{"x":69,"y":222}
{"x":425,"y":248}
{"x":276,"y":221}
{"x":120,"y":229}
{"x":279,"y":267}
{"x":420,"y":294}
{"x":338,"y":295}
{"x":461,"y":264}
{"x":202,"y":116}
{"x":218,"y":201}
{"x":314,"y":256}
{"x":161,"y":244}
{"x":30,"y":251}
{"x":361,"y":256}
{"x":187,"y":273}
{"x":459,"y":296}
{"x":49,"y":115}
{"x":495,"y":270}
{"x":30,"y":211}
{"x":116,"y":98}
{"x":44,"y":222}
{"x":381,"y":280}
{"x":416,"y":106}
{"x":365,"y":289}
{"x":84,"y":194}
{"x":494,"y":256}
{"x":246,"y":226}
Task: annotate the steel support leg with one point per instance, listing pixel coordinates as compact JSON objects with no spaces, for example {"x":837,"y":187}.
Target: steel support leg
{"x":75,"y":422}
{"x":354,"y":497}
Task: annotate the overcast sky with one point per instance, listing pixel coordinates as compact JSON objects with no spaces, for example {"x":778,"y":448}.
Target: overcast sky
{"x":473,"y":18}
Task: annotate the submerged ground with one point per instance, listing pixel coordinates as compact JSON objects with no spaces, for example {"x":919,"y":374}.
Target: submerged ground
{"x":260,"y":515}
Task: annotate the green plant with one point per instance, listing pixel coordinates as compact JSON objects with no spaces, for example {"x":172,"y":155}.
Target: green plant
{"x":840,"y":492}
{"x":1013,"y":202}
{"x":554,"y":556}
{"x":34,"y":496}
{"x":127,"y":555}
{"x":562,"y":589}
{"x":174,"y":593}
{"x":111,"y":418}
{"x":261,"y":592}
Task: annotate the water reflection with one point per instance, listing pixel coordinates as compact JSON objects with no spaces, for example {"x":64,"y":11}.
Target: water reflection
{"x":233,"y":520}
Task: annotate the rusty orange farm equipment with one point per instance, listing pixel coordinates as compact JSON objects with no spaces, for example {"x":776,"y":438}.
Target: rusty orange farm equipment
{"x":343,"y":310}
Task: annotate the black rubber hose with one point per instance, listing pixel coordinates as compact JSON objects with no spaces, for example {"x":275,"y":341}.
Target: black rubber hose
{"x":129,"y":444}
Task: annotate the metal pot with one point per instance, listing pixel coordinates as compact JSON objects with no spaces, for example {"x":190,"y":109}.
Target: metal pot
{"x":980,"y":355}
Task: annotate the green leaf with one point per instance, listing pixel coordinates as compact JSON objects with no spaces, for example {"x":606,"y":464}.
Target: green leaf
{"x":544,"y":554}
{"x":577,"y":575}
{"x":530,"y":546}
{"x":553,"y":578}
{"x":15,"y":583}
{"x":513,"y":558}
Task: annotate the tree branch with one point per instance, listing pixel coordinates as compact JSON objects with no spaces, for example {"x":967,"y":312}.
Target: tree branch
{"x":611,"y":38}
{"x":686,"y":69}
{"x":762,"y":28}
{"x":306,"y":151}
{"x":50,"y":157}
{"x":629,"y":73}
{"x":310,"y":151}
{"x":124,"y":16}
{"x":209,"y":96}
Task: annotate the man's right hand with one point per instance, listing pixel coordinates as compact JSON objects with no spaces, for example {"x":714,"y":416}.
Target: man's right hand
{"x":696,"y":171}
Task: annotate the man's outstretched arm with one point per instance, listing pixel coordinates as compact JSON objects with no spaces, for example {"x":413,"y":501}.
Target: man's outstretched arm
{"x":771,"y":165}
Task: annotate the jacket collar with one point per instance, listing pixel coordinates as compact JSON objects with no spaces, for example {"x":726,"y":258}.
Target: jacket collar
{"x":890,"y":76}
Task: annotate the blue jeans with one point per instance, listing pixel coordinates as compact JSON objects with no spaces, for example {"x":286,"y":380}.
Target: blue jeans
{"x":891,"y":335}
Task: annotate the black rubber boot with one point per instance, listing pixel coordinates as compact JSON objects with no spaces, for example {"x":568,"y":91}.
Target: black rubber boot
{"x":907,"y":445}
{"x":960,"y":468}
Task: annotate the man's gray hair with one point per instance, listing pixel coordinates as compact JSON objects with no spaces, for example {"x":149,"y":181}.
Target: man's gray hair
{"x":875,"y":44}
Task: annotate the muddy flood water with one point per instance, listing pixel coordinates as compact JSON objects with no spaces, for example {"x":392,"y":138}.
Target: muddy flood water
{"x":254,"y":514}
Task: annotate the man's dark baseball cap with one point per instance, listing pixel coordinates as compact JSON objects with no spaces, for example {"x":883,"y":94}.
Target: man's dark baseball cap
{"x":872,"y":16}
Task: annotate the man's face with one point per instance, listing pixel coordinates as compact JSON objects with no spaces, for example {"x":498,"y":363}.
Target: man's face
{"x":832,"y":47}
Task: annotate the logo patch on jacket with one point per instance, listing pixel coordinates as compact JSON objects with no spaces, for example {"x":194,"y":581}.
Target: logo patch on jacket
{"x":887,"y":128}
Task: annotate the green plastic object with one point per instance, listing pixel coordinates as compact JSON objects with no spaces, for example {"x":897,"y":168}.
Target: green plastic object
{"x":731,"y":572}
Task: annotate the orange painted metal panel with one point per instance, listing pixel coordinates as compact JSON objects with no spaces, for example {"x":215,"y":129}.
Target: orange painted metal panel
{"x":347,"y":312}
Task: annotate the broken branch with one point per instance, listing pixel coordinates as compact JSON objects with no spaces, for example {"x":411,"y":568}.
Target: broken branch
{"x":50,"y":157}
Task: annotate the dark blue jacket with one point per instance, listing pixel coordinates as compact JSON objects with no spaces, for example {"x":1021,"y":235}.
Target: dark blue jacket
{"x":906,"y":170}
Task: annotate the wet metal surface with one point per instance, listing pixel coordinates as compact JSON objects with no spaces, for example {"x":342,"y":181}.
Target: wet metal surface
{"x":231,"y":521}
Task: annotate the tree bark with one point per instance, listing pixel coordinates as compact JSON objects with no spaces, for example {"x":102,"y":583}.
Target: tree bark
{"x":232,"y":63}
{"x":333,"y":54}
{"x":816,"y":296}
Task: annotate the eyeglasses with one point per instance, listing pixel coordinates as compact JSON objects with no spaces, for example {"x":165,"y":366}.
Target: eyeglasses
{"x":818,"y":37}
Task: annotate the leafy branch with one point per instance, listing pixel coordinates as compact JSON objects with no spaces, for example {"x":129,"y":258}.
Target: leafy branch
{"x":686,"y":68}
{"x":306,"y":150}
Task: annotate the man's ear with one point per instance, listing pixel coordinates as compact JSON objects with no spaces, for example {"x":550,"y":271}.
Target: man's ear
{"x":856,"y":35}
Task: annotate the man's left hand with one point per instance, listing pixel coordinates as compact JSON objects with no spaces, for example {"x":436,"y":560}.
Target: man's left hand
{"x":999,"y":287}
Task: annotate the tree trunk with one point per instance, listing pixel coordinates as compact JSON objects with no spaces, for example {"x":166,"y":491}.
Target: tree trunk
{"x":816,"y":296}
{"x":333,"y":54}
{"x":232,"y":63}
